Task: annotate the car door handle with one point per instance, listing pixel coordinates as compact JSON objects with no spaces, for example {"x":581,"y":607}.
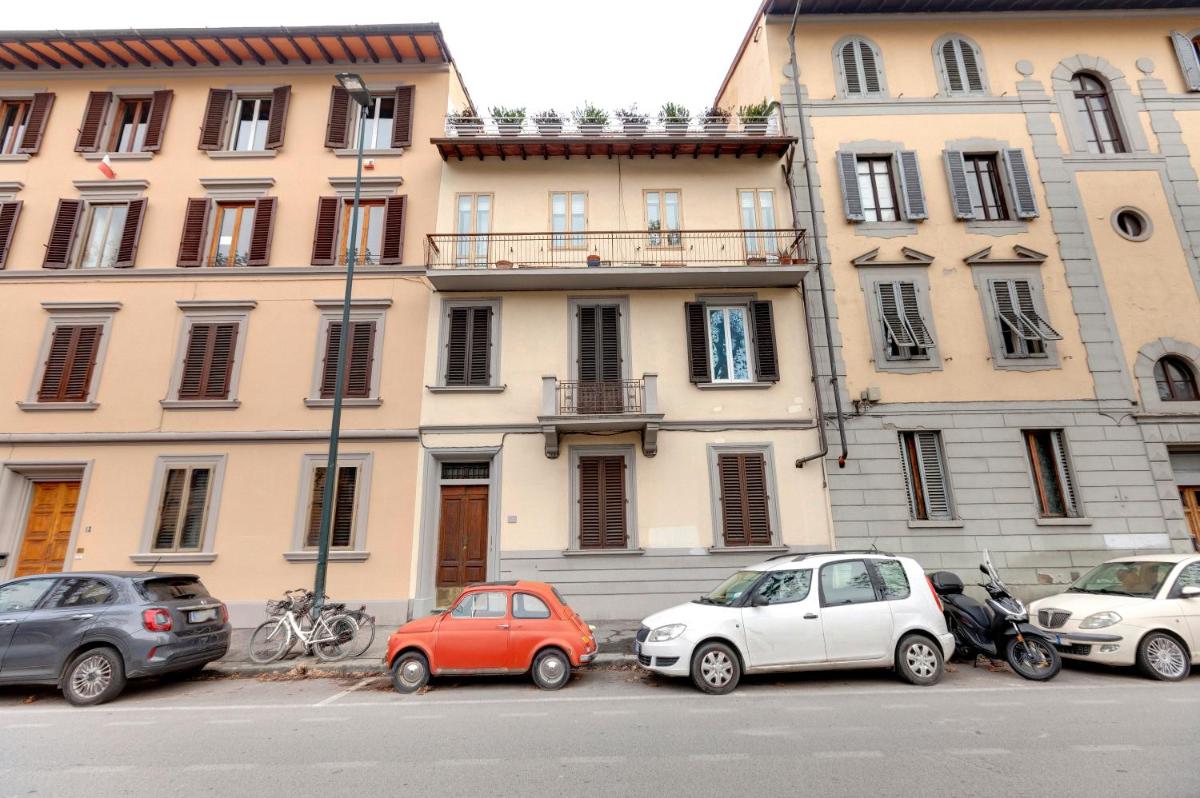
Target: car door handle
{"x":83,"y":616}
{"x":501,"y":626}
{"x":810,"y":616}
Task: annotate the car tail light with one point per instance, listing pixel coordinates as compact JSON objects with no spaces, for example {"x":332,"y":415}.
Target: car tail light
{"x":936,"y":598}
{"x":224,"y":613}
{"x":156,"y":620}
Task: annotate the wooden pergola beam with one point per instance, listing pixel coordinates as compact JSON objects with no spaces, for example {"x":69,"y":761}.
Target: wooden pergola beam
{"x":161,"y":55}
{"x":120,"y":61}
{"x":283,"y":59}
{"x":324,"y":53}
{"x":303,"y":55}
{"x":237,"y":59}
{"x":370,"y":50}
{"x":416,"y":46}
{"x":141,"y":59}
{"x":179,"y":52}
{"x":257,"y":55}
{"x":70,"y":59}
{"x":346,"y":49}
{"x":212,"y":59}
{"x":395,"y":52}
{"x":23,"y":59}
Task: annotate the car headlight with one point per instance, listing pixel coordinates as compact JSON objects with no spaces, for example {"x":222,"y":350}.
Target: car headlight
{"x":1100,"y":620}
{"x":668,"y":632}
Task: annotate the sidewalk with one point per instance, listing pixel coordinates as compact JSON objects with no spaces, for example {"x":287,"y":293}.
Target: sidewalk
{"x":613,"y":638}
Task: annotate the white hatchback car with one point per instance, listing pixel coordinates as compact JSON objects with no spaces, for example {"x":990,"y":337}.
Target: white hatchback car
{"x":801,"y":612}
{"x":1142,"y":610}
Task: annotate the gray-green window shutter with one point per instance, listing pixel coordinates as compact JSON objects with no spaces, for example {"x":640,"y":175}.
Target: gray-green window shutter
{"x":911,"y":186}
{"x":1189,"y":60}
{"x":1021,"y":184}
{"x":960,"y":191}
{"x":933,"y":475}
{"x":851,"y":196}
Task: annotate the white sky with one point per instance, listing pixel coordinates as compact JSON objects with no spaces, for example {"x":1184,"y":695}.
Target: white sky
{"x":536,"y":53}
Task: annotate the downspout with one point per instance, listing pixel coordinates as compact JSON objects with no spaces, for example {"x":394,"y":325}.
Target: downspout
{"x":812,"y":210}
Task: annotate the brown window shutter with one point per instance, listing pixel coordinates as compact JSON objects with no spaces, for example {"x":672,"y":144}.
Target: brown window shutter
{"x":479,"y":370}
{"x":312,"y":538}
{"x":127,"y":249}
{"x":325,"y":238}
{"x":208,"y":361}
{"x":402,"y":120}
{"x":62,"y":234}
{"x":695,"y":315}
{"x":92,"y":125}
{"x":213,"y":123}
{"x":169,"y":509}
{"x":195,"y":222}
{"x":35,"y":127}
{"x":766,"y":361}
{"x":393,"y":230}
{"x":277,"y":121}
{"x":609,"y":346}
{"x":160,"y":106}
{"x":358,"y":370}
{"x":588,"y":365}
{"x":67,"y":375}
{"x":458,"y":349}
{"x":337,"y":127}
{"x":341,"y":531}
{"x":262,"y":232}
{"x":329,"y":367}
{"x":602,"y":503}
{"x":9,"y":212}
{"x":745,"y":512}
{"x":590,"y":522}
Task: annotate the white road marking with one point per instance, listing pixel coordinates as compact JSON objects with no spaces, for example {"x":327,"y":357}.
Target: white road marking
{"x":130,"y":723}
{"x":465,"y":762}
{"x":805,"y":708}
{"x":718,"y":757}
{"x":1184,"y":700}
{"x":903,"y":706}
{"x":711,"y":710}
{"x":763,"y":732}
{"x":849,"y":754}
{"x":613,"y":712}
{"x":978,"y":752}
{"x":324,"y":720}
{"x":1095,"y":701}
{"x":28,"y":726}
{"x":365,"y":763}
{"x":96,"y":769}
{"x":524,"y":714}
{"x":219,"y":766}
{"x":1001,"y":703}
{"x":1106,"y":749}
{"x":347,"y":691}
{"x":591,"y":760}
{"x":230,"y":721}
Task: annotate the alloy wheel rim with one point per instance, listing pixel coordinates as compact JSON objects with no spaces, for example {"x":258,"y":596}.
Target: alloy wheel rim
{"x":411,"y":672}
{"x":92,"y":677}
{"x":717,"y":668}
{"x":1165,"y":656}
{"x":921,"y":660}
{"x":551,"y":669}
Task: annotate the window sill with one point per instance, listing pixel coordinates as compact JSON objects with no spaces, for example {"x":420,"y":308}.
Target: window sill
{"x":200,"y":404}
{"x":733,"y":386}
{"x":885,"y":229}
{"x":1063,"y":521}
{"x":1006,"y":227}
{"x":751,"y":549}
{"x":150,"y":557}
{"x":381,"y":153}
{"x":17,"y":157}
{"x":58,"y":405}
{"x":374,"y":402}
{"x":334,"y":556}
{"x":466,"y":388}
{"x":117,"y":156}
{"x":1026,"y":364}
{"x":602,"y":552}
{"x":940,"y":524}
{"x":225,"y":154}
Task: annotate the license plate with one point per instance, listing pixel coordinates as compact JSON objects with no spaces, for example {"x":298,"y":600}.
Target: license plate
{"x":637,"y":647}
{"x":201,"y":616}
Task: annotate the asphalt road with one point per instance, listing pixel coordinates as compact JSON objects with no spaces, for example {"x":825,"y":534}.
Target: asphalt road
{"x":614,"y":733}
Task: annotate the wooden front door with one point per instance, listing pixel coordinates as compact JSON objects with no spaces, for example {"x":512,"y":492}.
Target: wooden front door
{"x":1191,"y":509}
{"x":48,"y":529}
{"x":462,"y":540}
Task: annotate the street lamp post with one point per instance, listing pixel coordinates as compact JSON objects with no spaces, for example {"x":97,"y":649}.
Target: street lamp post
{"x":357,"y":89}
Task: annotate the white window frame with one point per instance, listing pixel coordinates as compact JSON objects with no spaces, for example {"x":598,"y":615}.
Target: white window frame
{"x":758,"y":244}
{"x":360,"y":310}
{"x":206,"y":553}
{"x":235,"y":106}
{"x":944,"y":77}
{"x":72,"y":314}
{"x":357,"y":552}
{"x":725,"y":305}
{"x":209,"y":312}
{"x":569,"y":237}
{"x":371,"y":142}
{"x":480,"y":255}
{"x":668,"y":237}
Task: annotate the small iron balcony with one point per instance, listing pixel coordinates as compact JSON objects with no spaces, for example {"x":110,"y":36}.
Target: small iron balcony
{"x":582,"y":406}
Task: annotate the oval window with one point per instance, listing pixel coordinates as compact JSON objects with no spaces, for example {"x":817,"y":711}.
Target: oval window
{"x":1132,"y":224}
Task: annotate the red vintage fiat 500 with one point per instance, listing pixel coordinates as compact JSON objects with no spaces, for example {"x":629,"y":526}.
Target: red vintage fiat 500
{"x":494,"y":627}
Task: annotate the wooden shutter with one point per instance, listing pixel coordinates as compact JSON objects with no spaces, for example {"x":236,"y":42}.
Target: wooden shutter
{"x":212,"y":125}
{"x":599,"y":343}
{"x":131,"y":234}
{"x":745,"y":510}
{"x":468,"y":346}
{"x":337,"y":126}
{"x":67,"y":375}
{"x":911,"y":311}
{"x":325,"y":237}
{"x":602,"y":503}
{"x":972,"y":73}
{"x":341,"y":527}
{"x":1065,"y":477}
{"x":191,"y":531}
{"x":358,"y":363}
{"x":312,"y":538}
{"x":62,"y":234}
{"x":588,"y":360}
{"x":933,"y":475}
{"x":392,"y":250}
{"x":961,"y":64}
{"x":195,"y":222}
{"x":174,"y":482}
{"x":695,"y":317}
{"x":851,"y":193}
{"x":1020,"y":184}
{"x":912,"y":476}
{"x":766,"y":360}
{"x":262,"y":232}
{"x":208,"y":361}
{"x":912,"y":189}
{"x":960,"y":192}
{"x":92,"y":125}
{"x":1028,"y":311}
{"x":160,"y":106}
{"x":954,"y":78}
{"x":10,"y":211}
{"x":277,"y":120}
{"x":889,"y":311}
{"x":1189,"y":61}
{"x":402,"y":119}
{"x":850,"y":68}
{"x":35,"y":125}
{"x":870,"y":67}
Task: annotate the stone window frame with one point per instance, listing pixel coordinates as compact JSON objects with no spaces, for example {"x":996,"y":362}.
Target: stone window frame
{"x":1000,"y":227}
{"x":1147,"y":223}
{"x":1143,"y":373}
{"x":1125,"y":105}
{"x":357,"y":552}
{"x":869,"y":275}
{"x":839,"y":69}
{"x":767,"y":450}
{"x":939,"y":66}
{"x":71,"y":314}
{"x":209,"y":312}
{"x":494,"y":385}
{"x":627,"y":451}
{"x":146,"y":553}
{"x":573,"y":305}
{"x":982,"y":274}
{"x":360,"y":310}
{"x":877,"y":148}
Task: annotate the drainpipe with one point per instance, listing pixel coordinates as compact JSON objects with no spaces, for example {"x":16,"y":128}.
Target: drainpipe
{"x":812,"y":210}
{"x":812,"y":359}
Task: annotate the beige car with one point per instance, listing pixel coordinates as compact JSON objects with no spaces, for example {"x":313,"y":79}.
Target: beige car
{"x":1142,"y":610}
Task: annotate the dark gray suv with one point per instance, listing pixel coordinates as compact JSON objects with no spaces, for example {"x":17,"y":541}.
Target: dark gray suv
{"x":88,"y":632}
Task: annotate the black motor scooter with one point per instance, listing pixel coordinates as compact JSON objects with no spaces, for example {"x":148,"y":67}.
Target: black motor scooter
{"x":1001,"y":630}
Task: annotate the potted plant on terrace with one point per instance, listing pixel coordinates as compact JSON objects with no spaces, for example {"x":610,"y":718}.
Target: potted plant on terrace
{"x":632,"y":120}
{"x":675,"y":117}
{"x":754,"y":116}
{"x":548,"y":122}
{"x":465,"y":123}
{"x":716,"y":119}
{"x":590,"y":118}
{"x":508,"y":120}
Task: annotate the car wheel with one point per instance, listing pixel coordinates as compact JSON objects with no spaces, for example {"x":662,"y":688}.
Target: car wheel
{"x":919,"y":661}
{"x":1161,"y":656}
{"x":551,"y":669}
{"x":716,"y":669}
{"x":94,"y":677}
{"x":410,"y":672}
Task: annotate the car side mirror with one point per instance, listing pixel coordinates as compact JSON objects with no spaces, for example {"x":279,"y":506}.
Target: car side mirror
{"x":1191,"y":591}
{"x":759,"y":600}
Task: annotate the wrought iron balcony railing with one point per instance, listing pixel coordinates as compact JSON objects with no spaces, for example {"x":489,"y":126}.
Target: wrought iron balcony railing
{"x":466,"y":126}
{"x":581,"y":398}
{"x":627,"y":249}
{"x":603,"y":406}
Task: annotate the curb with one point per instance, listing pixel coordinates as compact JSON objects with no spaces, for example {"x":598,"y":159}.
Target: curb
{"x":316,"y":669}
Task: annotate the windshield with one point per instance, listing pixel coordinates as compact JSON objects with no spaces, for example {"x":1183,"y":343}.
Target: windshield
{"x":1130,"y":578}
{"x":172,"y":588}
{"x":732,"y":588}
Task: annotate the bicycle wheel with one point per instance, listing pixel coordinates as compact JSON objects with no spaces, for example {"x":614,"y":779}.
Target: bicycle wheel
{"x":333,"y":638}
{"x":270,"y":641}
{"x":366,"y":632}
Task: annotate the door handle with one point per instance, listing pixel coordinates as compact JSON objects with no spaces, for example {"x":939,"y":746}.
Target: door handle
{"x":83,"y":616}
{"x":810,"y":616}
{"x":501,"y":626}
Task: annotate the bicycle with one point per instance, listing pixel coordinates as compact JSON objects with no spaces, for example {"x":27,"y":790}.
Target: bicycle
{"x":330,"y":636}
{"x":364,"y":621}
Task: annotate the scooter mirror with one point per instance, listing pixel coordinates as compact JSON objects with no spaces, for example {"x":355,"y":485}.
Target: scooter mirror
{"x":985,"y":570}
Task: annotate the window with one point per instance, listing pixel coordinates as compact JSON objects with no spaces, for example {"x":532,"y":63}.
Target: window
{"x":492,"y":604}
{"x":846,"y":582}
{"x":358,"y":365}
{"x":1187,"y":49}
{"x":244,"y":123}
{"x":731,"y":342}
{"x":1052,"y":479}
{"x":10,"y":211}
{"x":127,"y":124}
{"x":527,"y":606}
{"x":877,"y":188}
{"x":473,"y":223}
{"x":378,"y":237}
{"x":603,"y":511}
{"x":893,"y":581}
{"x":870,"y":191}
{"x":744,"y":500}
{"x":455,"y":470}
{"x":251,"y":116}
{"x":130,"y":124}
{"x":109,"y":237}
{"x":102,"y":237}
{"x":23,"y":595}
{"x":468,"y":345}
{"x":14,"y":118}
{"x":377,"y":124}
{"x":990,"y":186}
{"x":70,"y":363}
{"x":208,"y":361}
{"x":368,"y":236}
{"x":785,"y":587}
{"x":568,"y":214}
{"x":664,"y":214}
{"x":758,"y":214}
{"x":343,"y":521}
{"x":240,"y":233}
{"x":1094,"y":105}
{"x":1175,"y":379}
{"x":1132,"y":224}
{"x":961,"y":69}
{"x":79,"y":592}
{"x":925,"y":477}
{"x":1188,"y":577}
{"x":1023,"y":331}
{"x":599,"y":347}
{"x":231,"y":234}
{"x":905,"y":333}
{"x":183,"y":509}
{"x":859,"y":68}
{"x":388,"y":123}
{"x":987,"y":198}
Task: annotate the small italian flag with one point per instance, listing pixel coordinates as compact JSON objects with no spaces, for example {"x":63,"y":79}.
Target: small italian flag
{"x":105,"y":167}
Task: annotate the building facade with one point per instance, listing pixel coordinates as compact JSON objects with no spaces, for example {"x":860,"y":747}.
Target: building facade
{"x":1006,"y":217}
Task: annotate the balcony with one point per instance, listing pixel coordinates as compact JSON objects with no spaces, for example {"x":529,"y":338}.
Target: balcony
{"x":575,"y":406}
{"x":625,"y":259}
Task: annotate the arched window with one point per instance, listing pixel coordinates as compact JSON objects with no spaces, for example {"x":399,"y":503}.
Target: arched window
{"x":860,"y":68}
{"x":1175,"y":380}
{"x":961,"y":66}
{"x":1095,"y":109}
